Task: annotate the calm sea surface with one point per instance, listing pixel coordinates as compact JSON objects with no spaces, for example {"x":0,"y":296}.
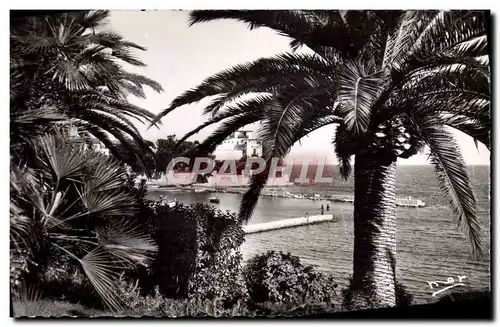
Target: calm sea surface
{"x":430,"y":247}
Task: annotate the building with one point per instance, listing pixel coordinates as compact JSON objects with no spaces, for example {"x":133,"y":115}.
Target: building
{"x":239,"y":144}
{"x":98,"y":146}
{"x":85,"y":138}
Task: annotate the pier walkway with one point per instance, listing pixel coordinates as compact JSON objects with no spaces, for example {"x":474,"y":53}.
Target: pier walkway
{"x":286,"y":223}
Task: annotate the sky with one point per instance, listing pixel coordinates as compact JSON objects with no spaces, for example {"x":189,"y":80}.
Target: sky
{"x":180,"y":57}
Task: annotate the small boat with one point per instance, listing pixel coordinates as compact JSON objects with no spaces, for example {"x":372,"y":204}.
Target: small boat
{"x":200,"y":190}
{"x":214,"y":199}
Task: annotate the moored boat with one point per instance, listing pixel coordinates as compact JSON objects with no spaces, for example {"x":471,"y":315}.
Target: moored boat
{"x":214,"y":199}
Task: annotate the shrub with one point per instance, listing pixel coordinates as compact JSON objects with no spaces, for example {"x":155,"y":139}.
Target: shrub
{"x":403,"y":297}
{"x":205,"y":308}
{"x":307,"y":308}
{"x":157,"y":305}
{"x":63,"y":280}
{"x":138,"y":303}
{"x":281,"y":278}
{"x":174,"y":230}
{"x":198,"y":256}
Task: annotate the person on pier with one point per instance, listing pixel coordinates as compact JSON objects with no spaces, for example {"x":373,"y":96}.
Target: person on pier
{"x":322,"y":210}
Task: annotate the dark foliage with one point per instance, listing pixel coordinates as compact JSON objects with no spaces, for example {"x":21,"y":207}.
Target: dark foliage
{"x":403,"y":297}
{"x":63,"y":63}
{"x":198,"y":254}
{"x":73,"y":224}
{"x":281,"y":278}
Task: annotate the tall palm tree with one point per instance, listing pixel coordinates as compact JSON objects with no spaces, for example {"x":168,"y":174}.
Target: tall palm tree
{"x":392,"y":82}
{"x":64,"y":61}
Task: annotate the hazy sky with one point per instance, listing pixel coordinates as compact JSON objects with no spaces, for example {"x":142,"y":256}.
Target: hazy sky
{"x":180,"y":57}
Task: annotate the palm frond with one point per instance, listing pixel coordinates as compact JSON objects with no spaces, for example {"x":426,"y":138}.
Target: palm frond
{"x":278,"y":137}
{"x":259,"y":76}
{"x":478,"y":130}
{"x":109,"y":112}
{"x":248,"y":107}
{"x":450,"y":77}
{"x":81,"y":67}
{"x":107,"y":203}
{"x":62,"y":158}
{"x":93,"y":19}
{"x":344,"y":150}
{"x":409,"y":28}
{"x":24,"y":185}
{"x":127,"y":56}
{"x":310,"y":125}
{"x":102,"y":102}
{"x":228,"y":127}
{"x":124,"y":240}
{"x":297,"y":24}
{"x":140,"y":80}
{"x":106,"y":175}
{"x":110,"y":123}
{"x":137,"y":151}
{"x":476,"y":46}
{"x":258,"y":182}
{"x":102,"y":135}
{"x":102,"y":273}
{"x":285,"y":116}
{"x":326,"y":32}
{"x":446,"y":30}
{"x":435,"y":63}
{"x":359,"y":88}
{"x":67,"y":74}
{"x":452,"y":175}
{"x":252,"y":195}
{"x":46,"y":115}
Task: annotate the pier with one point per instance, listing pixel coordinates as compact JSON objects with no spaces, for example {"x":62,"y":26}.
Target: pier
{"x":286,"y":223}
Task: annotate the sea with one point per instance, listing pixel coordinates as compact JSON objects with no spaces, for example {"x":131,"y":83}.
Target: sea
{"x":430,"y":247}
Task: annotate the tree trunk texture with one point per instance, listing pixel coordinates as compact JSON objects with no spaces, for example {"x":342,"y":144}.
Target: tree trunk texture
{"x":374,"y":264}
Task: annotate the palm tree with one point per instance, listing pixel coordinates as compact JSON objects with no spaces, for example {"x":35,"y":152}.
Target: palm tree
{"x":75,"y":209}
{"x":65,"y":62}
{"x":392,"y":82}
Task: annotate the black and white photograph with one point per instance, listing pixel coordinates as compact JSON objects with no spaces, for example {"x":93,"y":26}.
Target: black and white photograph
{"x":252,"y":164}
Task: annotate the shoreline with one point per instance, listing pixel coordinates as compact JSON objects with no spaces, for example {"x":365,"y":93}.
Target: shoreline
{"x":273,"y":191}
{"x":285,"y":192}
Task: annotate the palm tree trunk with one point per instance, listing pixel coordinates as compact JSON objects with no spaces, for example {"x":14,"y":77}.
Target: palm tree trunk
{"x":373,"y":283}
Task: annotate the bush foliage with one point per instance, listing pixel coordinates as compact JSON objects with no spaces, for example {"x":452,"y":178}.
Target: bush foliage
{"x":198,"y":252}
{"x":281,"y":278}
